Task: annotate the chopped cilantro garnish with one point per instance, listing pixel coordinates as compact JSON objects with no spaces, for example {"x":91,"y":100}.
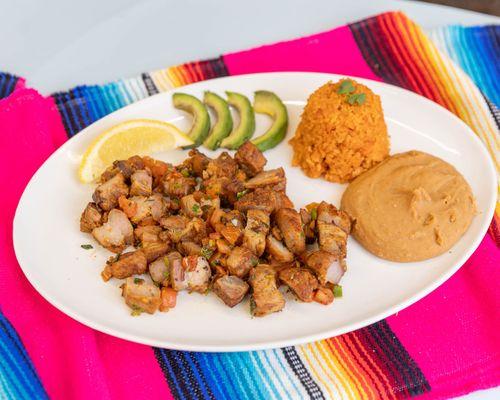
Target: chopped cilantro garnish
{"x":136,"y":311}
{"x":196,"y":208}
{"x":254,"y":261}
{"x":206,"y":252}
{"x":239,"y":195}
{"x":138,"y":280}
{"x":358,"y":98}
{"x":185,"y":173}
{"x":346,"y":87}
{"x":87,"y":246}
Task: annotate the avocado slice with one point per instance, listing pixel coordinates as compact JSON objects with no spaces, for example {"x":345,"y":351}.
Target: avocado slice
{"x":201,"y":119}
{"x":246,"y":127}
{"x":266,"y":102}
{"x":224,"y":124}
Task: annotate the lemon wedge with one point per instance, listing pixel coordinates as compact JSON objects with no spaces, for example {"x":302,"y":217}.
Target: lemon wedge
{"x":138,"y":136}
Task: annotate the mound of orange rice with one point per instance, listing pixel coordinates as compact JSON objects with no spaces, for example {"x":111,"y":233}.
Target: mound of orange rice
{"x":337,"y":140}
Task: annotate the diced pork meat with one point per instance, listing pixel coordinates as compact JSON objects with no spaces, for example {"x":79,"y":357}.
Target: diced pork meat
{"x":330,"y":214}
{"x":106,"y":194}
{"x":240,"y":261}
{"x":155,"y":249}
{"x":157,"y":168}
{"x":190,"y":207}
{"x":141,"y":296}
{"x":175,"y":226}
{"x":159,"y":272}
{"x":197,"y":273}
{"x":323,"y":295}
{"x":188,"y":248}
{"x":331,"y":238}
{"x":117,"y":233}
{"x":125,"y":265}
{"x":290,"y":225}
{"x":141,"y":183}
{"x":266,"y":298}
{"x":277,"y":250}
{"x":129,"y":166}
{"x":272,"y":177}
{"x":177,"y":185}
{"x":91,"y":218}
{"x":320,"y":261}
{"x":230,"y":289}
{"x":256,"y":230}
{"x":197,"y":162}
{"x":301,"y":281}
{"x":147,"y":234}
{"x":250,"y":159}
{"x":178,"y":278}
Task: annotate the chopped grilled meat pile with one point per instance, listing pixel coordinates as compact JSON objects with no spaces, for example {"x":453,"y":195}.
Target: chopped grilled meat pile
{"x":224,"y":224}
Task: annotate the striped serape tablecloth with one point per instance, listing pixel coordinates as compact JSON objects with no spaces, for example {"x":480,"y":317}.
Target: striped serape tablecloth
{"x":442,"y":346}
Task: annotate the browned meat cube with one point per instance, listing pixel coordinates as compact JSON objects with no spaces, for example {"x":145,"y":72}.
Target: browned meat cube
{"x":290,"y":225}
{"x":260,"y":199}
{"x":320,"y":261}
{"x":231,"y":233}
{"x":282,"y":200}
{"x":250,"y":159}
{"x":197,"y":162}
{"x":323,"y":295}
{"x":222,"y":166}
{"x":197,"y":273}
{"x":240,"y":261}
{"x":254,"y":236}
{"x":128,"y":264}
{"x":277,"y":250}
{"x":190,"y":207}
{"x":168,"y":298}
{"x":129,"y":166}
{"x":147,"y":234}
{"x":91,"y":218}
{"x":230,"y":289}
{"x":175,"y":225}
{"x":272,"y":178}
{"x":116,"y":234}
{"x":159,"y":272}
{"x":141,"y":296}
{"x":189,"y":248}
{"x":178,"y":278}
{"x":266,"y":298}
{"x":141,"y":183}
{"x":156,"y":249}
{"x":177,"y":185}
{"x":106,"y":194}
{"x":332,"y":238}
{"x":223,"y":246}
{"x":330,"y":214}
{"x":301,"y":281}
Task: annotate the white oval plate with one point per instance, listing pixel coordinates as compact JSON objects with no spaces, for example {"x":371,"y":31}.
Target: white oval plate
{"x":47,"y":238}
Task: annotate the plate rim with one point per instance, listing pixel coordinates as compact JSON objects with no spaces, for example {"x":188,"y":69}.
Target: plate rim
{"x":424,"y":291}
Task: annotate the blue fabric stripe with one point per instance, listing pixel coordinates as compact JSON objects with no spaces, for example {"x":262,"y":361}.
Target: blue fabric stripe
{"x":216,"y":382}
{"x":172,"y":378}
{"x":17,"y":374}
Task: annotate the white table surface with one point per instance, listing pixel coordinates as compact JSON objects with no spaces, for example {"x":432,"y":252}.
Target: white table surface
{"x":57,"y":44}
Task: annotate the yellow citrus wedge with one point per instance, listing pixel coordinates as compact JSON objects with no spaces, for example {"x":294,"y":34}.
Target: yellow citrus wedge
{"x":138,"y":136}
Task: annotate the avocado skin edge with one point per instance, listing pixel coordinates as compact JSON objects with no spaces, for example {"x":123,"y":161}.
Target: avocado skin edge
{"x":201,"y":124}
{"x":224,"y":123}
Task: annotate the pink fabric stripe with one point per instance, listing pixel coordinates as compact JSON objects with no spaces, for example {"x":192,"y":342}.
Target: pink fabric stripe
{"x":334,"y":51}
{"x":452,"y":333}
{"x":73,"y":361}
